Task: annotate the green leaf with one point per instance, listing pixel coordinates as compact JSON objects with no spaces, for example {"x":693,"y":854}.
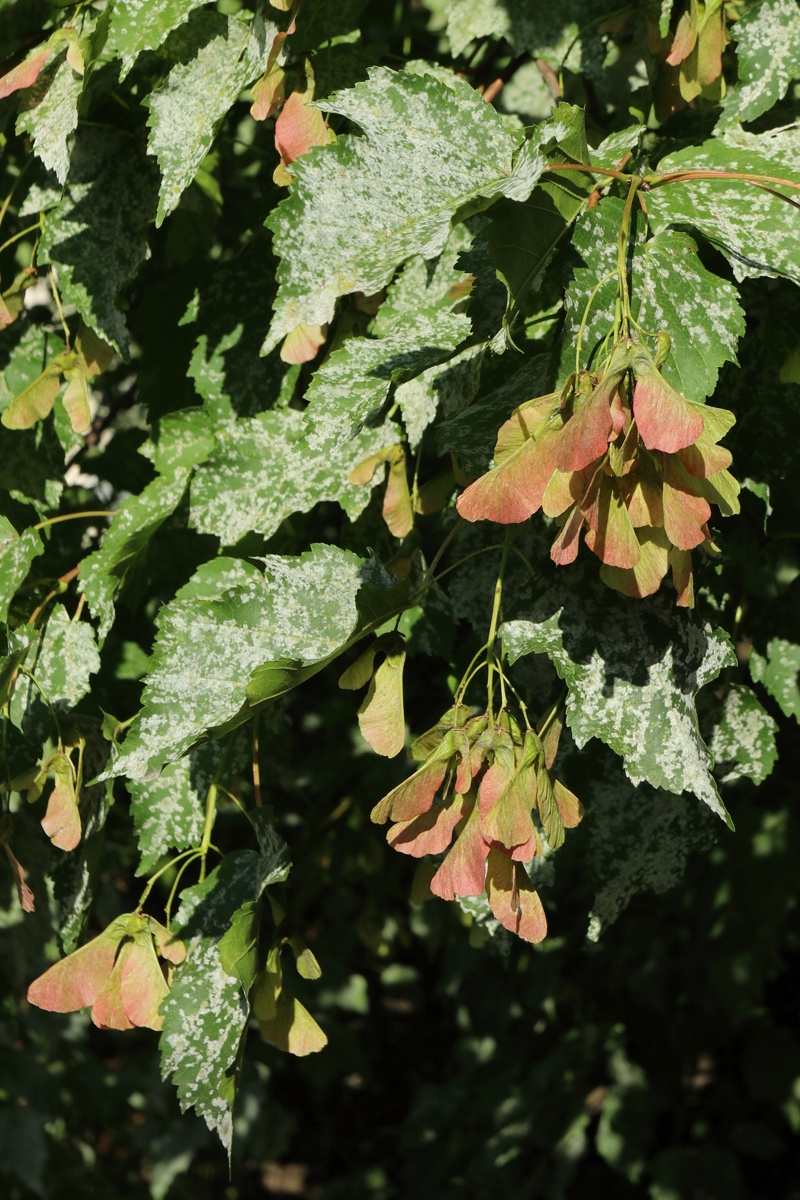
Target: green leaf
{"x":356,"y":379}
{"x":767,"y":40}
{"x":65,"y":659}
{"x":138,"y":25}
{"x":228,"y":316}
{"x":523,"y":237}
{"x":638,"y":840}
{"x":422,"y":285}
{"x":106,"y":572}
{"x":472,"y":434}
{"x":778,"y":670}
{"x":187,"y":108}
{"x":632,"y":674}
{"x":358,"y":209}
{"x":447,"y":387}
{"x":743,"y":740}
{"x":670,"y":290}
{"x":302,"y":609}
{"x":206,"y":1013}
{"x":755,"y":230}
{"x":53,"y":117}
{"x":169,"y":812}
{"x":238,"y":948}
{"x":261,"y":472}
{"x":565,"y":34}
{"x":182,"y":439}
{"x":31,"y":461}
{"x":95,"y":236}
{"x":17,"y":552}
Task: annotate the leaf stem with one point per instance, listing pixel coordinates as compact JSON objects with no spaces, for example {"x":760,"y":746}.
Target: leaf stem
{"x":92,"y":512}
{"x":161,"y":871}
{"x":17,"y":236}
{"x":496,"y":603}
{"x":428,"y":576}
{"x":622,"y":255}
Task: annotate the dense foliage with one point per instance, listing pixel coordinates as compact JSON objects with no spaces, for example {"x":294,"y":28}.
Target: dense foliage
{"x":399,"y":424}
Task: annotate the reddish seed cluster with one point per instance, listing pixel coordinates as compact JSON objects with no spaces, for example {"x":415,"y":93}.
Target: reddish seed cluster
{"x":483,"y":780}
{"x":626,"y":458}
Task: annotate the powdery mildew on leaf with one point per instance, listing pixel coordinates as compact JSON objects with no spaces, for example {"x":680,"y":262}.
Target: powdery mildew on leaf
{"x":96,"y":235}
{"x":448,"y":388}
{"x":425,"y":285}
{"x":261,"y":471}
{"x":633,"y":672}
{"x":66,"y":658}
{"x":104,"y":573}
{"x":778,"y":671}
{"x":138,"y":25}
{"x":355,"y":380}
{"x":562,"y":33}
{"x":52,"y":120}
{"x":670,"y":290}
{"x":361,"y":207}
{"x":301,"y":609}
{"x":638,"y":841}
{"x":768,"y":57}
{"x":185,"y":111}
{"x":16,"y":556}
{"x":206,"y":1011}
{"x":168,"y":812}
{"x":743,"y":740}
{"x":755,"y":230}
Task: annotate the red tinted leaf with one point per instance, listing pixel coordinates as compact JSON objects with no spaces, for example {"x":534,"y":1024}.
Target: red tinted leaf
{"x":302,"y":344}
{"x":108,"y":1011}
{"x":570,"y":808}
{"x":397,"y":509}
{"x":665,"y":419}
{"x":463,"y":871}
{"x":611,"y":535}
{"x":26,"y":73}
{"x":564,"y":549}
{"x":415,"y":794}
{"x":681,"y":563}
{"x":585,"y":436}
{"x":430,"y":833}
{"x":142,"y":985}
{"x":642,"y":498}
{"x":24,"y":893}
{"x":684,"y":40}
{"x":563,"y":489}
{"x":685,"y":513}
{"x":169,"y":946}
{"x":513,"y":491}
{"x":62,"y":821}
{"x":513,"y":900}
{"x":297,"y":129}
{"x":78,"y":979}
{"x":269,"y":93}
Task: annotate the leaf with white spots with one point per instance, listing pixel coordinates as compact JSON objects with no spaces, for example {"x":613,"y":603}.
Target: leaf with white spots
{"x":169,"y":812}
{"x":633,"y":672}
{"x":779,"y":670}
{"x":52,"y":116}
{"x":17,"y":552}
{"x":138,"y":25}
{"x":224,"y":56}
{"x":65,"y":658}
{"x":767,"y":39}
{"x":565,"y":34}
{"x":261,"y":471}
{"x":122,"y":555}
{"x":758,"y":232}
{"x":670,"y":290}
{"x":430,"y":151}
{"x":743,"y":739}
{"x":95,"y":236}
{"x":206,"y":1012}
{"x":301,"y":611}
{"x":357,"y":378}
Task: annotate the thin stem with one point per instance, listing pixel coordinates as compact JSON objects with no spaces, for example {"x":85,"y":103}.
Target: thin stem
{"x":495,"y":618}
{"x":211,"y":805}
{"x":78,"y":516}
{"x":585,"y":317}
{"x":467,"y":680}
{"x":428,"y":576}
{"x":622,"y":255}
{"x":63,"y":580}
{"x":460,"y":563}
{"x":173,"y":890}
{"x":17,"y":236}
{"x":655,"y":181}
{"x":162,"y":871}
{"x":57,"y":299}
{"x":22,"y":670}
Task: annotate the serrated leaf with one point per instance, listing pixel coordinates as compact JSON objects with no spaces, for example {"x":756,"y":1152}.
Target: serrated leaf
{"x":169,"y":812}
{"x":53,"y":117}
{"x":95,"y":236}
{"x":302,"y":609}
{"x":563,"y":34}
{"x":424,"y":285}
{"x":632,"y":675}
{"x":206,"y":1012}
{"x":778,"y":671}
{"x":743,"y":739}
{"x":523,"y":237}
{"x":16,"y":555}
{"x":138,"y":25}
{"x":261,"y":471}
{"x":472,"y":434}
{"x":670,"y":290}
{"x":64,"y":661}
{"x":228,"y":371}
{"x":105,"y":572}
{"x":767,"y":40}
{"x":187,"y":108}
{"x":355,"y":380}
{"x":429,"y":151}
{"x":755,"y":230}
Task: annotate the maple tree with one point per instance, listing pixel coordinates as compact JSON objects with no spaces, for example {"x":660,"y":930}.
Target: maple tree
{"x":335,"y":351}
